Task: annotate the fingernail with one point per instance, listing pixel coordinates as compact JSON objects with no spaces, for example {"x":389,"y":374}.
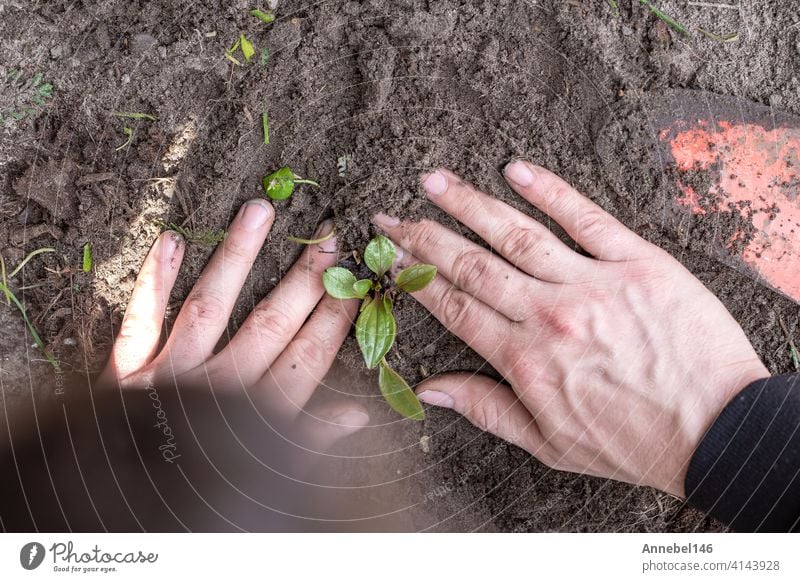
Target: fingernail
{"x":323,"y":229}
{"x":385,"y":221}
{"x":435,"y":183}
{"x":436,"y":398}
{"x":254,"y":214}
{"x":519,"y":173}
{"x":352,"y":419}
{"x":168,"y":244}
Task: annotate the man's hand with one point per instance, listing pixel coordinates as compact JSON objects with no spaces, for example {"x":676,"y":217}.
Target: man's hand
{"x":279,"y":355}
{"x":616,"y":364}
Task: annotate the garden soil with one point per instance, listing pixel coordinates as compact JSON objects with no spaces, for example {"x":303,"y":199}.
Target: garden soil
{"x":362,"y":97}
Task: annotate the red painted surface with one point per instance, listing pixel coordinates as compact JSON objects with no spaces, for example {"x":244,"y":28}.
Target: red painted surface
{"x":757,"y":174}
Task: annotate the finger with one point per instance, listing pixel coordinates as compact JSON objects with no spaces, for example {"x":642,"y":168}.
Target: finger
{"x":291,"y":380}
{"x":590,"y":226}
{"x":477,"y":324}
{"x":140,"y":332}
{"x":204,"y":315}
{"x":276,"y":319}
{"x":525,"y":243}
{"x":471,"y":268}
{"x":490,"y":405}
{"x":320,"y":428}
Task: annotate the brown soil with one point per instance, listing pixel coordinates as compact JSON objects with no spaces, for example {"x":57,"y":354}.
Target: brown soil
{"x":396,"y":88}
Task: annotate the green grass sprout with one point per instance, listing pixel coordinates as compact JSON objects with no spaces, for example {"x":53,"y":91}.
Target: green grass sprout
{"x":134,"y":115}
{"x":677,"y":26}
{"x":11,"y":299}
{"x":265,"y":17}
{"x":88,"y":260}
{"x":733,"y":37}
{"x":311,"y":241}
{"x":129,"y":132}
{"x":265,"y":126}
{"x":264,"y":55}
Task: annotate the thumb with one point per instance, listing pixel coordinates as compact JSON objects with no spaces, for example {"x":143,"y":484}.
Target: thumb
{"x":488,"y":404}
{"x":320,"y":428}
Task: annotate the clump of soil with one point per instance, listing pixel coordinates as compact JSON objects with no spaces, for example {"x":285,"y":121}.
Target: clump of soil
{"x":395,"y":88}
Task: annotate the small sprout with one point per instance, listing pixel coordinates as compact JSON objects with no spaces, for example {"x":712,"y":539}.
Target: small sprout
{"x":376,"y":326}
{"x":794,"y":353}
{"x":265,"y":126}
{"x":265,"y":17}
{"x":129,"y":115}
{"x":380,"y":255}
{"x":87,"y":258}
{"x":614,"y":6}
{"x":264,"y":55}
{"x":280,"y":184}
{"x":11,"y":298}
{"x":415,"y":277}
{"x":129,"y":132}
{"x":247,"y":49}
{"x":341,"y":165}
{"x":311,"y":241}
{"x":398,"y":393}
{"x":733,"y":37}
{"x":677,"y":26}
{"x":203,"y":238}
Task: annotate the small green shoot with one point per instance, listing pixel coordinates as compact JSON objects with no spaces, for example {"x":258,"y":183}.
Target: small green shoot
{"x":614,"y":7}
{"x":264,"y":55}
{"x":11,"y":298}
{"x":203,"y":238}
{"x":28,"y":96}
{"x":280,"y":184}
{"x":265,"y":126}
{"x":733,"y":37}
{"x":677,"y":26}
{"x":265,"y":17}
{"x":376,"y":326}
{"x":88,"y":260}
{"x":129,"y":132}
{"x":311,"y":241}
{"x":247,"y":48}
{"x":134,"y":115}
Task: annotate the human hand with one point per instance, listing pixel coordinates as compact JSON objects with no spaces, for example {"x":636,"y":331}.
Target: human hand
{"x":277,"y":356}
{"x":617,"y":364}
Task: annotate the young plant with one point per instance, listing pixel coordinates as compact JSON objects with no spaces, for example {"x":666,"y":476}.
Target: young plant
{"x":376,"y":327}
{"x":279,"y":185}
{"x":203,"y":238}
{"x":11,"y":299}
{"x":246,"y":47}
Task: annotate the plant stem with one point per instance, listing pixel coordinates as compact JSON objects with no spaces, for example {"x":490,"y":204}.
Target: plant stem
{"x":312,"y":241}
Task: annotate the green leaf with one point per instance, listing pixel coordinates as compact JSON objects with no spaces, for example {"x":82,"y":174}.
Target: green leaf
{"x":415,"y":278}
{"x":362,"y":287}
{"x":398,"y":393}
{"x":264,"y":55}
{"x":265,"y":126}
{"x":379,"y":255}
{"x":280,"y":184}
{"x":340,"y":283}
{"x":87,"y":258}
{"x":265,"y":17}
{"x":247,"y":48}
{"x":376,"y":329}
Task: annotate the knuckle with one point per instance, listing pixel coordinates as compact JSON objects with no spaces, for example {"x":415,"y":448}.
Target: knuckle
{"x":310,"y":350}
{"x":454,"y":307}
{"x":204,"y":306}
{"x":272,"y":323}
{"x":136,"y":327}
{"x":470,"y":268}
{"x":487,"y":416}
{"x":559,"y":196}
{"x":422,"y":234}
{"x":522,"y":243}
{"x":592,"y":225}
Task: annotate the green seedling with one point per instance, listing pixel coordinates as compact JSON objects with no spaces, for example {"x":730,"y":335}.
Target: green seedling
{"x":265,"y":126}
{"x":203,"y":238}
{"x":11,"y":299}
{"x":246,"y":47}
{"x":279,"y":185}
{"x":129,"y":132}
{"x":376,"y":326}
{"x":614,"y":6}
{"x":794,"y":353}
{"x":27,"y":95}
{"x":674,"y":24}
{"x":88,"y":260}
{"x":265,"y":17}
{"x":264,"y":55}
{"x":134,"y":115}
{"x":311,"y":241}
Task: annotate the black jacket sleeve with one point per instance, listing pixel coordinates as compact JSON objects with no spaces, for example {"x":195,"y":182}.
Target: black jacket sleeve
{"x":746,"y":470}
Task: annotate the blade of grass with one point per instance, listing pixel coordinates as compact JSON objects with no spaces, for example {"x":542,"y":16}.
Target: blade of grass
{"x":129,"y":132}
{"x":265,"y":126}
{"x":733,"y":37}
{"x":665,"y":17}
{"x":36,"y":338}
{"x":134,"y":115}
{"x":32,"y":254}
{"x":311,"y":241}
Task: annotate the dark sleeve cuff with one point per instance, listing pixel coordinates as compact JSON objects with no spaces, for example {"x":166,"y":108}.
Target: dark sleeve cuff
{"x":746,"y":470}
